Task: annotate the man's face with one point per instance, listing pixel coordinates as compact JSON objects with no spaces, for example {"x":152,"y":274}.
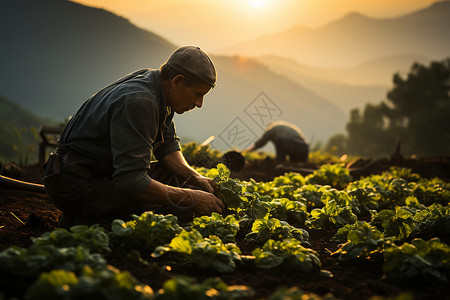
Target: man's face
{"x":186,"y":97}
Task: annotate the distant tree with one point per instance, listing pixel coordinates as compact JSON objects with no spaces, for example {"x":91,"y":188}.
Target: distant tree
{"x":417,"y":112}
{"x":421,"y":104}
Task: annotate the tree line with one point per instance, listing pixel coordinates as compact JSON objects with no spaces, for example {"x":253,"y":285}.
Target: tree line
{"x":415,"y":117}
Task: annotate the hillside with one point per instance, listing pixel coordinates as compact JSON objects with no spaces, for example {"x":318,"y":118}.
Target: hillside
{"x":55,"y":53}
{"x":356,"y":38}
{"x":15,"y":124}
{"x":348,"y":88}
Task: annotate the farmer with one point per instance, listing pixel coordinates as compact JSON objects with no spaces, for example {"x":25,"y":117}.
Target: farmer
{"x":288,"y":139}
{"x":103,"y":166}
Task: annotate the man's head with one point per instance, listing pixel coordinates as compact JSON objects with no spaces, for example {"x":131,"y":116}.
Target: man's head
{"x":187,"y":76}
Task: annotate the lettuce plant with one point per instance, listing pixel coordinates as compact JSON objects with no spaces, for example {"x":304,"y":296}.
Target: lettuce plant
{"x":289,"y":211}
{"x":104,"y":284}
{"x":272,"y":228}
{"x":225,"y":228}
{"x":235,"y":196}
{"x":146,"y":231}
{"x":20,"y":267}
{"x":331,"y":216}
{"x":93,"y":238}
{"x":334,"y":175}
{"x":191,"y":247}
{"x":182,"y":288}
{"x":434,"y":221}
{"x":398,"y":222}
{"x":363,"y":241}
{"x":425,"y":260}
{"x":289,"y":253}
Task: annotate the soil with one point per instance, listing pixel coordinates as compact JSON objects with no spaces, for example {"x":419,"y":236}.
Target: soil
{"x":25,"y":214}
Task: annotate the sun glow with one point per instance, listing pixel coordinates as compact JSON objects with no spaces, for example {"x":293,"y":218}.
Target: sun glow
{"x":257,"y":3}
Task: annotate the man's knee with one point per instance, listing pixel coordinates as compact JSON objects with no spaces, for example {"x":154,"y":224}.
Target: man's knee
{"x":67,"y":191}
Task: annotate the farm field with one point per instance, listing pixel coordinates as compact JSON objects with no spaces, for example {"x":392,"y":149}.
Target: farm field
{"x":378,"y":229}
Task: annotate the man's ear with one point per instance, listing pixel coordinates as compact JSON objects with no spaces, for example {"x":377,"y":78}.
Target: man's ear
{"x":177,"y":81}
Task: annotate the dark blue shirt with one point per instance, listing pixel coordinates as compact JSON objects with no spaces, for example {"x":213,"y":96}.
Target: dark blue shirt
{"x":123,"y":126}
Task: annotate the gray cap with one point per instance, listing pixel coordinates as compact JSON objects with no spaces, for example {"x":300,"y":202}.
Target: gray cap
{"x":193,"y":62}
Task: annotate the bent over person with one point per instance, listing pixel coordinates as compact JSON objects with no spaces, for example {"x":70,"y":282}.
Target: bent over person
{"x":103,"y":167}
{"x":288,"y":139}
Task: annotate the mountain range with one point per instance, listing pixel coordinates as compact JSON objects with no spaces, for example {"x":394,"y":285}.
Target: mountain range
{"x":348,"y":88}
{"x":351,"y":61}
{"x":356,"y":39}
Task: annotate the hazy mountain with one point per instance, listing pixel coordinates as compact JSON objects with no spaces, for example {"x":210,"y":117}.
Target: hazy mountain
{"x":56,"y":53}
{"x":347,"y":88}
{"x":356,"y":38}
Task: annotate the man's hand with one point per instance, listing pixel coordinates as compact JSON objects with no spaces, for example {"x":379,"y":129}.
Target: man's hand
{"x":204,"y":203}
{"x":204,"y":183}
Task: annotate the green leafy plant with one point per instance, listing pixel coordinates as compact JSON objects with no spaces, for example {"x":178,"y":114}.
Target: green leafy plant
{"x":93,"y":238}
{"x":434,"y":221}
{"x":228,"y":190}
{"x":335,"y":175}
{"x":272,"y":228}
{"x":289,"y":253}
{"x":363,"y":242}
{"x":225,"y":228}
{"x":331,"y":216}
{"x":366,"y":198}
{"x":430,"y":191}
{"x":235,"y":196}
{"x":107,"y":283}
{"x":200,"y":155}
{"x":280,"y":187}
{"x":424,"y":260}
{"x":146,"y":231}
{"x":397,"y":222}
{"x":387,"y":190}
{"x":295,"y":180}
{"x":41,"y":258}
{"x":182,"y":288}
{"x":289,"y":211}
{"x":21,"y":266}
{"x":342,"y":232}
{"x":312,"y":195}
{"x":190,"y":247}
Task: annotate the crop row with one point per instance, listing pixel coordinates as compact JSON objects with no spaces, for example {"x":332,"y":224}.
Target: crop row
{"x":397,"y":215}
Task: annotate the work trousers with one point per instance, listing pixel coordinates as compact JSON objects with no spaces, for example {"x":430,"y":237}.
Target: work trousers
{"x":83,"y":189}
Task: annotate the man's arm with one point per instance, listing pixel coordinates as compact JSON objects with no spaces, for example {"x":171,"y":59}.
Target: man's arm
{"x":177,"y":164}
{"x":201,"y":201}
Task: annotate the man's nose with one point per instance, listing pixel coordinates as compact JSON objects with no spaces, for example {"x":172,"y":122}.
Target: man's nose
{"x":199,"y":102}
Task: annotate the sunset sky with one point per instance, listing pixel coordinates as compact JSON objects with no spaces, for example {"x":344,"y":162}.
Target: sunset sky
{"x":213,"y":24}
